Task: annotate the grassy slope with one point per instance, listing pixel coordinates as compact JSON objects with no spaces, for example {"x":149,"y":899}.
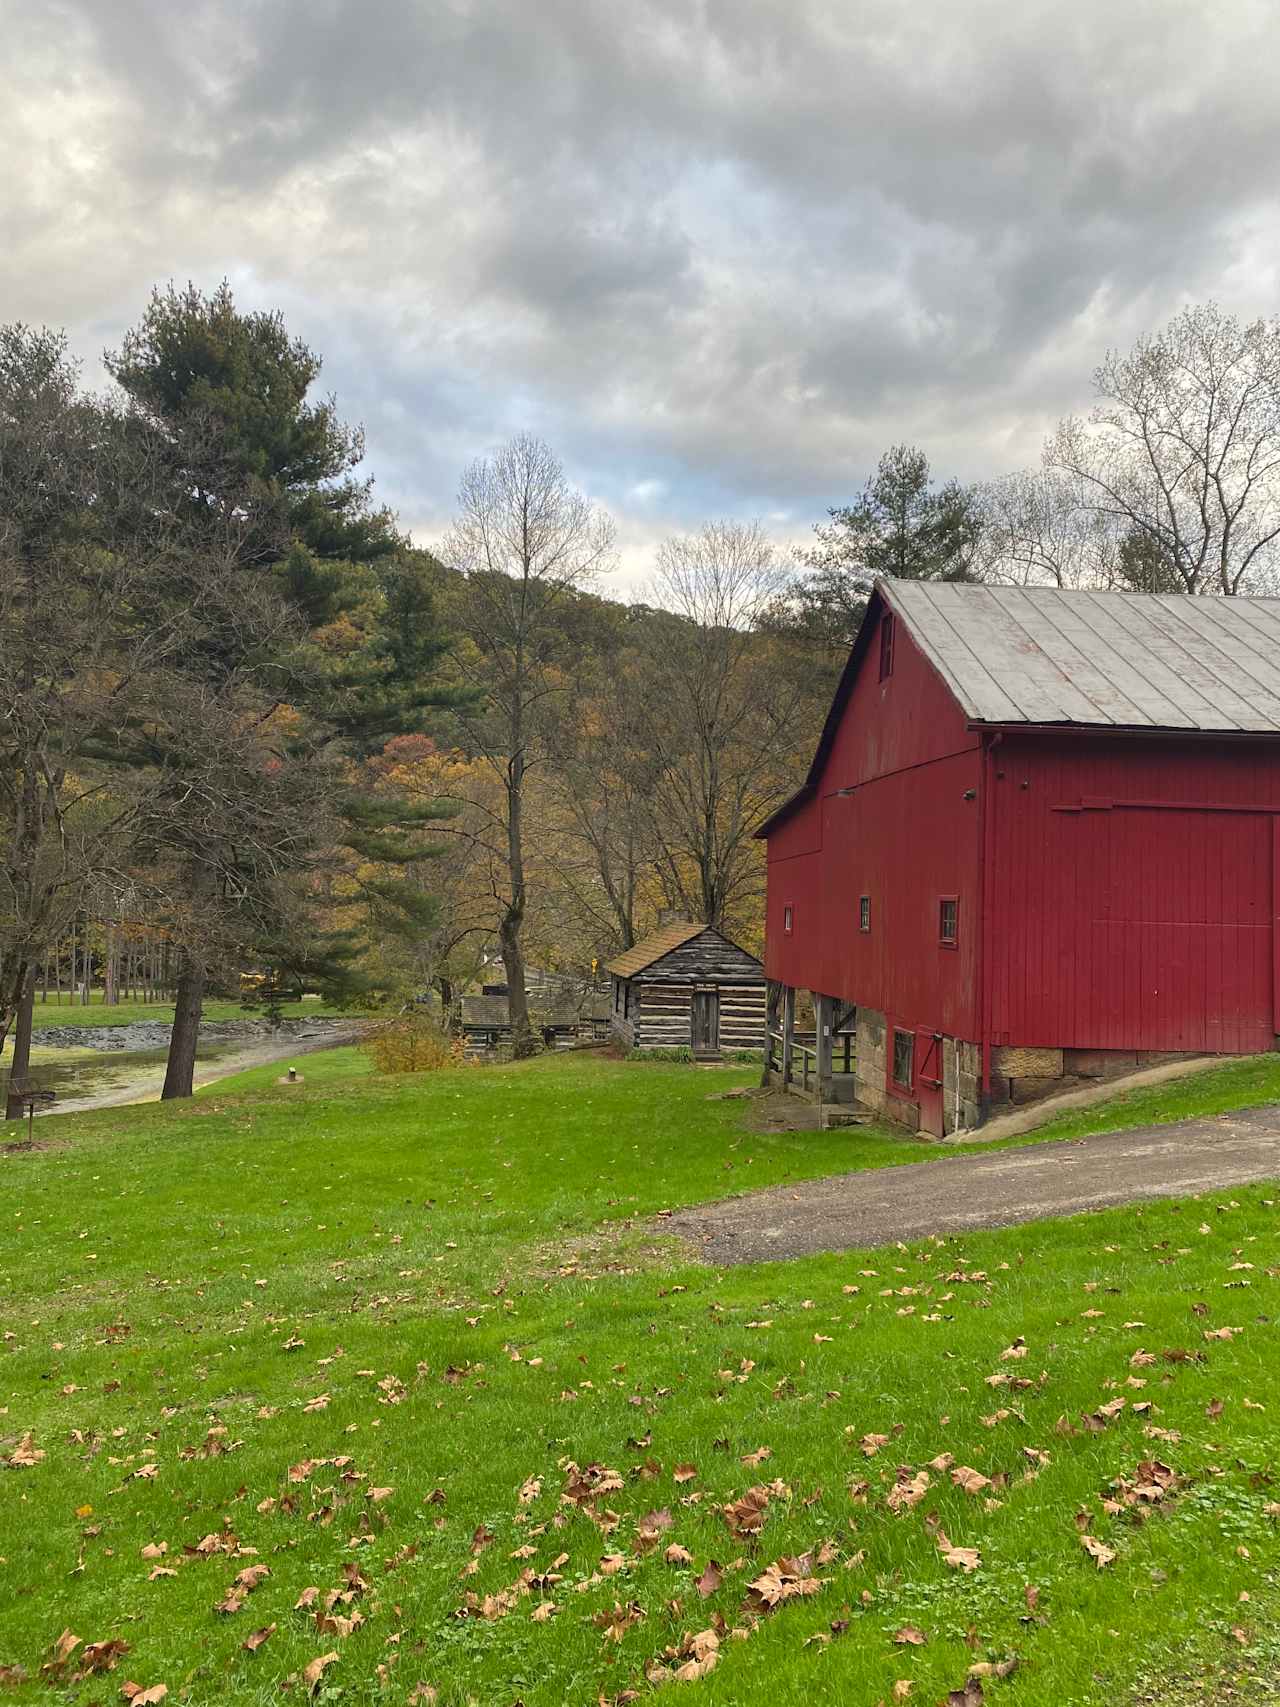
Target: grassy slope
{"x":436,"y":1237}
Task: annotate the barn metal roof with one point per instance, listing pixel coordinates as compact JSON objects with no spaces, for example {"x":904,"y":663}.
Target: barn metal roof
{"x":653,"y":948}
{"x":1099,"y":660}
{"x":1042,"y":656}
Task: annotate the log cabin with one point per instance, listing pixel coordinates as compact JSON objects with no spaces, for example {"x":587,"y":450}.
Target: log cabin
{"x":687,"y":986}
{"x":1038,"y":845}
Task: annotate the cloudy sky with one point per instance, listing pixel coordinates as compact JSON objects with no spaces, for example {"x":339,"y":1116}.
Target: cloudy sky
{"x":719,"y":252}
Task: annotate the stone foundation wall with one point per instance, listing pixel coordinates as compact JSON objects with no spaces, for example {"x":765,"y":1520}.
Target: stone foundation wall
{"x":964,"y":1060}
{"x":1020,"y":1076}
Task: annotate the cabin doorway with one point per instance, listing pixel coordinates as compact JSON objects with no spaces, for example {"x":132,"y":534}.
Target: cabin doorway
{"x":704,"y":1022}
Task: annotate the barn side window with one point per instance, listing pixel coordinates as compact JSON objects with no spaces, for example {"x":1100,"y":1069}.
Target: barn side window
{"x":787,"y":921}
{"x":886,"y":646}
{"x":949,"y":921}
{"x":903,"y":1050}
{"x":864,"y":912}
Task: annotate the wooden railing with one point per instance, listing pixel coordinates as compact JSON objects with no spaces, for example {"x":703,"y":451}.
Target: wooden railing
{"x":804,"y":1047}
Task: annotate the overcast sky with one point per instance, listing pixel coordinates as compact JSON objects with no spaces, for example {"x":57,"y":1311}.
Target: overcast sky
{"x":721,"y":253}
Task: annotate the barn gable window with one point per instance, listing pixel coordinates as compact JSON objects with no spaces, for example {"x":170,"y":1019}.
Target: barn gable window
{"x":787,"y":920}
{"x":903,"y":1053}
{"x":949,"y":921}
{"x":886,"y":646}
{"x":864,"y":912}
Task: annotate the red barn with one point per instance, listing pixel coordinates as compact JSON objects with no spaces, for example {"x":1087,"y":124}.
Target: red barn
{"x":1039,"y":842}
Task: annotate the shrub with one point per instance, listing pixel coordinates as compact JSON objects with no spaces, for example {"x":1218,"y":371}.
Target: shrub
{"x":411,"y":1043}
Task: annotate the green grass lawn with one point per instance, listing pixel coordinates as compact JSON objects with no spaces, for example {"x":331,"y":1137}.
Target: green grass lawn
{"x":53,"y":1013}
{"x":414,"y":1345}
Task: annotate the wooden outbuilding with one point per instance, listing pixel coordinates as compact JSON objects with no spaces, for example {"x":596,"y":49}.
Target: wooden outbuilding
{"x":688,"y":986}
{"x":564,"y":1016}
{"x":1039,"y":845}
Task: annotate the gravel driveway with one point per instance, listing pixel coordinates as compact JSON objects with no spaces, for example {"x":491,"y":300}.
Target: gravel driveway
{"x":998,"y":1189}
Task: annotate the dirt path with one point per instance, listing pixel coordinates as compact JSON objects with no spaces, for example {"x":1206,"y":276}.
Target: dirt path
{"x":883,"y":1205}
{"x":147,"y":1086}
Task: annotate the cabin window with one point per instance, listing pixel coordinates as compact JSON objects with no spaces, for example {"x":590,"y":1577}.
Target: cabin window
{"x":787,"y":918}
{"x":949,"y":921}
{"x":886,"y":646}
{"x":864,"y":912}
{"x":903,"y":1051}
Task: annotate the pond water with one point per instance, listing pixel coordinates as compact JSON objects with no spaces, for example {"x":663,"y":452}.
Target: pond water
{"x":73,"y":1074}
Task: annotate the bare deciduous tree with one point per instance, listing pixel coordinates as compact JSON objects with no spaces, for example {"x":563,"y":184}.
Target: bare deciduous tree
{"x":524,"y":539}
{"x":721,"y":715}
{"x":1042,"y":529}
{"x":1183,"y":448}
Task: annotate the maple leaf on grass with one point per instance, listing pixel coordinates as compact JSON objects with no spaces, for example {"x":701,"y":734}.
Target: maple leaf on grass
{"x":959,"y":1558}
{"x":315,"y":1669}
{"x":137,"y":1696}
{"x":25,"y":1454}
{"x":1098,"y":1551}
{"x":254,"y":1640}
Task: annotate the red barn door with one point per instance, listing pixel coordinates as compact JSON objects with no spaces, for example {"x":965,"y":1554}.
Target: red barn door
{"x":1166,"y":938}
{"x":928,"y":1085}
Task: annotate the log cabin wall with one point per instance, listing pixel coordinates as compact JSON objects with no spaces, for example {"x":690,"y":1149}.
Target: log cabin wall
{"x":653,"y":1007}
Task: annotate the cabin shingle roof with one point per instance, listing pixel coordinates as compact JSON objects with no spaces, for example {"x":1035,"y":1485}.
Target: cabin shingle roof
{"x":653,"y":948}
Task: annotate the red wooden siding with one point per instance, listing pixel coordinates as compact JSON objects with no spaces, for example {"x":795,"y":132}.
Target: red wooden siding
{"x":905,"y":836}
{"x":1129,"y":910}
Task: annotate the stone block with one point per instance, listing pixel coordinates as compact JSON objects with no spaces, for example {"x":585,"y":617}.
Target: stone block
{"x":1017,"y":1063}
{"x":1099,"y":1063}
{"x":1032,"y":1088}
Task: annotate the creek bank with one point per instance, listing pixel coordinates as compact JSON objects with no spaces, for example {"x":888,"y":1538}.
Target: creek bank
{"x":154,"y":1034}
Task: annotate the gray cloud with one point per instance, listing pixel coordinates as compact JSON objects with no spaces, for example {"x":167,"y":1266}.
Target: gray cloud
{"x":722,"y":253}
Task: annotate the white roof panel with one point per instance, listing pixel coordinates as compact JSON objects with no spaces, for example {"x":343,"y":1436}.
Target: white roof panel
{"x":1101,"y":660}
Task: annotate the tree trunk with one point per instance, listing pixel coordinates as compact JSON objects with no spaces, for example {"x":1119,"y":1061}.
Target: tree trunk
{"x":21,"y":1064}
{"x":512,"y":922}
{"x":181,"y":1065}
{"x":517,"y":997}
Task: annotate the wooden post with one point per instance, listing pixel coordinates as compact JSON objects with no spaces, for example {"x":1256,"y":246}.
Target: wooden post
{"x":824,"y":1009}
{"x":788,"y":1034}
{"x":773,"y":994}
